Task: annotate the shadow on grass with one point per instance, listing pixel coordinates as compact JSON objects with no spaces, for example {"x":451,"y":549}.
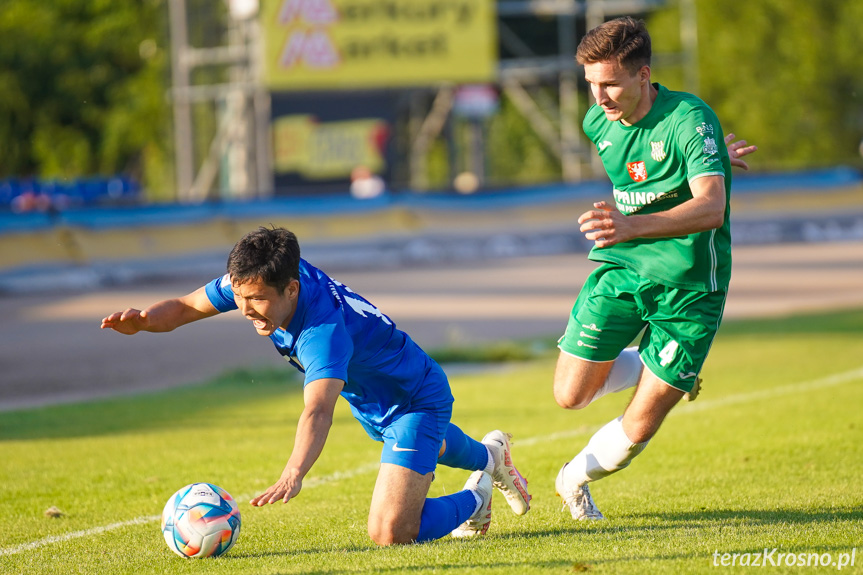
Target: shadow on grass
{"x":176,"y":409}
{"x":633,"y":525}
{"x":703,"y":518}
{"x":627,"y":528}
{"x":516,"y":566}
{"x":513,"y":566}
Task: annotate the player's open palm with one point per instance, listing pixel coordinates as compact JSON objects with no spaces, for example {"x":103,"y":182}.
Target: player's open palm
{"x":285,"y":489}
{"x":128,"y":322}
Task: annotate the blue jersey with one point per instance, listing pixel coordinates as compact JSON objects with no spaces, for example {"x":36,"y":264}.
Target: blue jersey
{"x":336,"y":333}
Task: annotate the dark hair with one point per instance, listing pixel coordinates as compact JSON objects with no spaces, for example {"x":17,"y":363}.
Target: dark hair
{"x":624,"y":40}
{"x":269,"y":254}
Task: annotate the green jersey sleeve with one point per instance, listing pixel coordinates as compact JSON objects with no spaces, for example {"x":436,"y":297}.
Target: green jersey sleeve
{"x":699,"y":136}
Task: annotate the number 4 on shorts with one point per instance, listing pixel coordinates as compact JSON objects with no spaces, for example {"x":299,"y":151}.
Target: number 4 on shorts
{"x":667,"y":353}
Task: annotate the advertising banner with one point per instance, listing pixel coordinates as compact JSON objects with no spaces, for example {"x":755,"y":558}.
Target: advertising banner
{"x":319,"y":139}
{"x":343,"y":44}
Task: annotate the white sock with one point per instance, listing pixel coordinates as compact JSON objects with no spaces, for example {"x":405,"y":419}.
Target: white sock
{"x":608,"y":451}
{"x":623,"y":375}
{"x":489,"y":466}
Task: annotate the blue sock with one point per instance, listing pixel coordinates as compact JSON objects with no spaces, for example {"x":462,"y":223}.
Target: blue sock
{"x":443,"y":514}
{"x":462,"y":451}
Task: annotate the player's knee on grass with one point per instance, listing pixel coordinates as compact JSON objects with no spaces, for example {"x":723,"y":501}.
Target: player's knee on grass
{"x":397,"y":503}
{"x":390,"y":530}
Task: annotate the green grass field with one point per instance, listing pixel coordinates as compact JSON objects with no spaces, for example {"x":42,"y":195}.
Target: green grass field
{"x":769,"y":457}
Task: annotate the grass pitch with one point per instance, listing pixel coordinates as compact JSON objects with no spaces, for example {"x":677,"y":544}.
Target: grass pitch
{"x":764,"y":468}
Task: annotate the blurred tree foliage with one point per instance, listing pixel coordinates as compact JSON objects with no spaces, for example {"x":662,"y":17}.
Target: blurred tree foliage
{"x":784,"y":74}
{"x":83,"y":89}
{"x":84,"y":86}
{"x":516,"y":155}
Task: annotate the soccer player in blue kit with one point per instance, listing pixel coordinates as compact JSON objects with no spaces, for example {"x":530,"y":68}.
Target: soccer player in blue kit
{"x":345,"y":346}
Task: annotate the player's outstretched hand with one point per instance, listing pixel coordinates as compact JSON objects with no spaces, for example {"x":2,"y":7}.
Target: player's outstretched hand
{"x":737,"y":150}
{"x":285,"y":489}
{"x":128,"y":322}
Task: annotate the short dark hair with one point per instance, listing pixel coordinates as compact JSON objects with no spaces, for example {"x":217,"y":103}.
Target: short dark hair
{"x":624,"y":40}
{"x":269,"y":254}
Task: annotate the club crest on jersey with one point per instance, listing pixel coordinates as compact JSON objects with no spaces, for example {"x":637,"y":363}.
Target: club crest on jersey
{"x":657,"y":151}
{"x":710,"y":147}
{"x":637,"y":171}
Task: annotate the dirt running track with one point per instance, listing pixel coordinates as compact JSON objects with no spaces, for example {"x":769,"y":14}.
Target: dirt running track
{"x":53,"y":350}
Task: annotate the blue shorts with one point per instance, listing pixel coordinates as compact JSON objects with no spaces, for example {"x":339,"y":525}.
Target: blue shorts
{"x":414,"y":439}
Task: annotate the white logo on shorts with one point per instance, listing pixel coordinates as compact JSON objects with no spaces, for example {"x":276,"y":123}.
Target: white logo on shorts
{"x":689,"y":375}
{"x":397,"y":448}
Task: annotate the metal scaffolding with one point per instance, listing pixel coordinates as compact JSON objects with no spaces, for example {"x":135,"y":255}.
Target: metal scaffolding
{"x":240,"y":150}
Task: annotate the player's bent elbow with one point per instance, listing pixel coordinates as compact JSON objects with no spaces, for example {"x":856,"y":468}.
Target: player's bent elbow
{"x":717,"y":221}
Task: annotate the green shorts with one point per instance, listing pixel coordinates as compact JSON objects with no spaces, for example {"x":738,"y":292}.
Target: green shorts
{"x":616,"y":304}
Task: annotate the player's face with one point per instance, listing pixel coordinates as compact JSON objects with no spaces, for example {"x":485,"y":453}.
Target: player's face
{"x":621,"y":94}
{"x":267,"y":308}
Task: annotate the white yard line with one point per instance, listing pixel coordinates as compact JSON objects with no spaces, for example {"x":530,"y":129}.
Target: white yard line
{"x":703,"y":405}
{"x":708,"y":404}
{"x":310,"y":484}
{"x":75,"y":535}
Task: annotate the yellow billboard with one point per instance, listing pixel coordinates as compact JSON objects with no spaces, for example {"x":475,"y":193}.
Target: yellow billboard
{"x":332,"y":44}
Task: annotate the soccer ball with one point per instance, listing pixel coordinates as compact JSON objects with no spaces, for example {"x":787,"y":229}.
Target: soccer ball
{"x":200,"y":520}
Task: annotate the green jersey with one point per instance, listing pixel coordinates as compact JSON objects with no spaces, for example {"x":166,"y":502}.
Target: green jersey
{"x":651,"y":165}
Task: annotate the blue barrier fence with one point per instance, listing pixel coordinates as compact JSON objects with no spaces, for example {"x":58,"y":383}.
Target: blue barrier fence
{"x":83,"y":210}
{"x":84,"y":247}
{"x":29,"y":194}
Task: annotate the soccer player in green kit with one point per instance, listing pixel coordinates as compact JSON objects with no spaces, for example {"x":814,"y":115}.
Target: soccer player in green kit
{"x":664,"y":253}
